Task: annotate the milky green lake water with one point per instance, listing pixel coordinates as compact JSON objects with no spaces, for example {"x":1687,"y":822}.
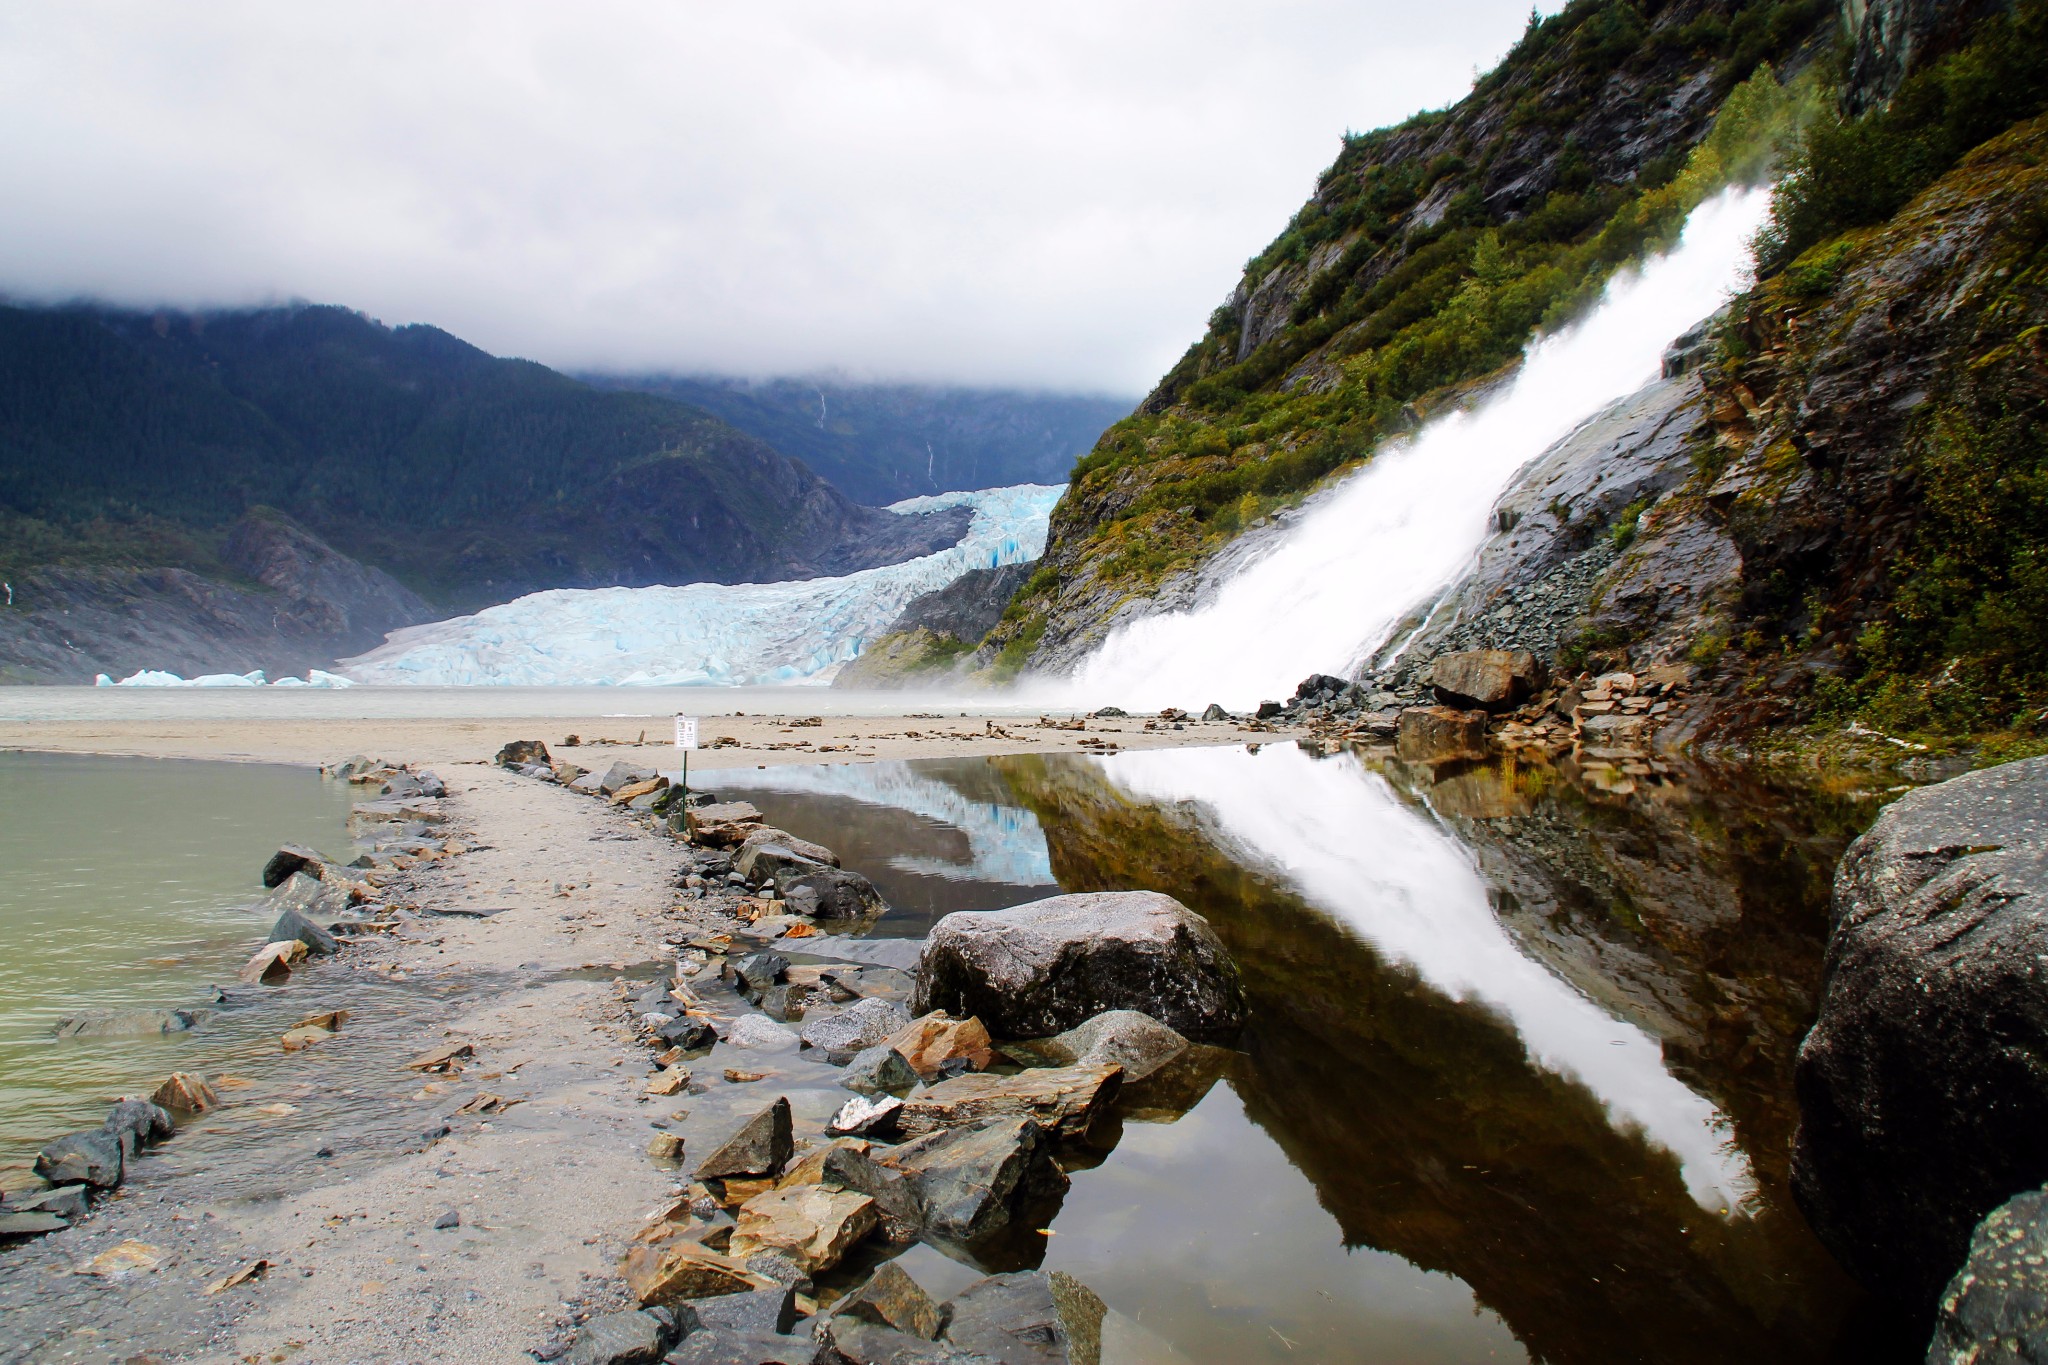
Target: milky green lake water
{"x":124,"y":883}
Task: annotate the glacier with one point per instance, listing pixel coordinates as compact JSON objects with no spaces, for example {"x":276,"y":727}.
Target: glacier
{"x":706,"y":634}
{"x":157,"y":677}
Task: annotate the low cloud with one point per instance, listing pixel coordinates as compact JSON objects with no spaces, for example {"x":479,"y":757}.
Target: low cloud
{"x":1050,"y":194}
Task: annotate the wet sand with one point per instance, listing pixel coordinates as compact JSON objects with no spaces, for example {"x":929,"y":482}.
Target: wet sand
{"x":760,"y":740}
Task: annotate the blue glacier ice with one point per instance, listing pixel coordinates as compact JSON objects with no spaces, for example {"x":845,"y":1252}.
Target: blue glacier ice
{"x":157,"y":677}
{"x":706,"y":634}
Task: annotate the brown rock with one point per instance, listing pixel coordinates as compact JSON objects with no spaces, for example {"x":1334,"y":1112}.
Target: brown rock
{"x":929,"y":1042}
{"x":299,"y":1039}
{"x":725,"y":824}
{"x":813,"y":1225}
{"x":185,"y":1091}
{"x":1064,"y":1100}
{"x":273,"y":963}
{"x":1485,"y":679}
{"x":890,"y":1298}
{"x":1438,"y":734}
{"x":442,"y":1058}
{"x":665,"y":1147}
{"x":634,"y":790}
{"x":683,"y":1270}
{"x":761,"y":1147}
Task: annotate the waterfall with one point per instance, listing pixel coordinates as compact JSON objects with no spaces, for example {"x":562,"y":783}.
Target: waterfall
{"x":1396,"y":534}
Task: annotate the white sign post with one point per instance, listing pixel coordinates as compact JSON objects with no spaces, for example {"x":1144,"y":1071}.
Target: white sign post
{"x":686,"y":740}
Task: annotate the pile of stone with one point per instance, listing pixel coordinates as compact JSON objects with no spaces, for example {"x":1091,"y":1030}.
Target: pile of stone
{"x":1020,"y":1030}
{"x":782,"y":884}
{"x":79,"y":1167}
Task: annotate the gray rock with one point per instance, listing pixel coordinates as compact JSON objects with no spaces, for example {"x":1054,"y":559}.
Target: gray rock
{"x":877,"y":1070}
{"x":758,"y":971}
{"x":127,"y":1023}
{"x":1215,"y":711}
{"x":831,"y":893}
{"x":855,"y":1029}
{"x":761,"y":1147}
{"x":448,"y":1221}
{"x":18,"y":1225}
{"x":624,"y":775}
{"x":292,"y":858}
{"x":972,"y":1182}
{"x":293,"y":925}
{"x":718,"y":1347}
{"x":1136,"y":1042}
{"x":590,"y":784}
{"x":1029,"y":1317}
{"x":758,"y":1031}
{"x":95,"y":1158}
{"x":868,"y":1343}
{"x":65,"y":1201}
{"x":620,"y":1339}
{"x":762,"y":1311}
{"x":145,"y":1124}
{"x":1923,"y":1087}
{"x":766,"y":846}
{"x":1045,"y":967}
{"x":313,"y":897}
{"x":687,"y":1033}
{"x":1995,"y":1310}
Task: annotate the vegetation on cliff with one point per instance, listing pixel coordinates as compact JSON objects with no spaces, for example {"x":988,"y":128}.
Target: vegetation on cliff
{"x":1429,"y":255}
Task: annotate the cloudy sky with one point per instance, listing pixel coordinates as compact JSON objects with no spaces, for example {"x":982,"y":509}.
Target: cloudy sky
{"x":1046,"y":194}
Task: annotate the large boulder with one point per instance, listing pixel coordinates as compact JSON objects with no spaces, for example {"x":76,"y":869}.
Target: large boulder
{"x":1995,"y":1310}
{"x":723,"y":824}
{"x":1485,"y":679}
{"x":755,"y":862}
{"x":974,"y":1182}
{"x":1923,"y":1087}
{"x":829,"y":893}
{"x":1029,"y":1317}
{"x":844,"y":1034}
{"x":1051,"y":965}
{"x":1440,"y":734}
{"x":97,"y":1158}
{"x":1136,"y":1042}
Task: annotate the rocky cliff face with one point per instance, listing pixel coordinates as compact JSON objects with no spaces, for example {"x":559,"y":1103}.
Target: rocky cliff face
{"x":296,"y":603}
{"x":1428,"y":254}
{"x":930,"y":642}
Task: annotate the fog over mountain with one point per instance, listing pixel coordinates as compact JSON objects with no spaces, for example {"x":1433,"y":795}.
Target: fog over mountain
{"x":1040,"y":195}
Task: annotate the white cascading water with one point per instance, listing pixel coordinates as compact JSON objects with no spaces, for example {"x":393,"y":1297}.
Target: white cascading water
{"x":1397,"y":533}
{"x":1340,"y":838}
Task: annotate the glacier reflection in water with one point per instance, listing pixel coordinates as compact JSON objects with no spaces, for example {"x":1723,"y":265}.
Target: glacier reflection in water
{"x":1004,"y":842}
{"x":1338,"y":836}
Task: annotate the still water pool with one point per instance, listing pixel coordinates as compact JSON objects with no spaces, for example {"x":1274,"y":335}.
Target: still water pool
{"x":1518,"y":1082}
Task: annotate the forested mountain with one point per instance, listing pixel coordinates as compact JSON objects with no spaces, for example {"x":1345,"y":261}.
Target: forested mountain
{"x":879,"y":443}
{"x":137,"y":438}
{"x":137,"y":443}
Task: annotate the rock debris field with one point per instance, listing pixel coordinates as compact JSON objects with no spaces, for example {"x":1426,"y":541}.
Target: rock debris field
{"x":574,"y":1065}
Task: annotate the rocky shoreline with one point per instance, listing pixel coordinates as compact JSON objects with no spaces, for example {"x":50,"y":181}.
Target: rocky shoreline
{"x":773,"y":1244}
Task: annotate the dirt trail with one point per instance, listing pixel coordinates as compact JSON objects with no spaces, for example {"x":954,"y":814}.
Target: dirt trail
{"x":544,"y":1189}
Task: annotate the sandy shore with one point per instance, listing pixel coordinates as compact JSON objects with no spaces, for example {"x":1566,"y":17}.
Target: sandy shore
{"x":757,"y":740}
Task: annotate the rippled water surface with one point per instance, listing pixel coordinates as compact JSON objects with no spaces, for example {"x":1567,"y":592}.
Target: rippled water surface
{"x":124,"y":883}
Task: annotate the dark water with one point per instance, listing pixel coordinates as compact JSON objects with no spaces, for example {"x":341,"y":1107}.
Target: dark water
{"x":1519,"y":1080}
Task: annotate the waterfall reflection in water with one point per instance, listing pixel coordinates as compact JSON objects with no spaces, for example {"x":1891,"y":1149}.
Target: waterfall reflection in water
{"x":1431,"y":1147}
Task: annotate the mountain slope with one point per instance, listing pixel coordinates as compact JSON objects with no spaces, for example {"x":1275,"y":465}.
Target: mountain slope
{"x":881,"y":443}
{"x":1428,"y":255}
{"x":137,"y":439}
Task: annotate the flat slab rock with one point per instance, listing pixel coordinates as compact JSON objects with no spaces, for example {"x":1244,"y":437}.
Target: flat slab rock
{"x":1064,"y":1100}
{"x":1923,"y":1087}
{"x":1049,"y":966}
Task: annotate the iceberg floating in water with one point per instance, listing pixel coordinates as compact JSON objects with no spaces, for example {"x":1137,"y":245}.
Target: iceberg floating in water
{"x":707,"y":634}
{"x":157,"y":677}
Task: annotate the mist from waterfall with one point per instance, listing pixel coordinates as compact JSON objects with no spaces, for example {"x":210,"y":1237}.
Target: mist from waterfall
{"x":1330,"y":590}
